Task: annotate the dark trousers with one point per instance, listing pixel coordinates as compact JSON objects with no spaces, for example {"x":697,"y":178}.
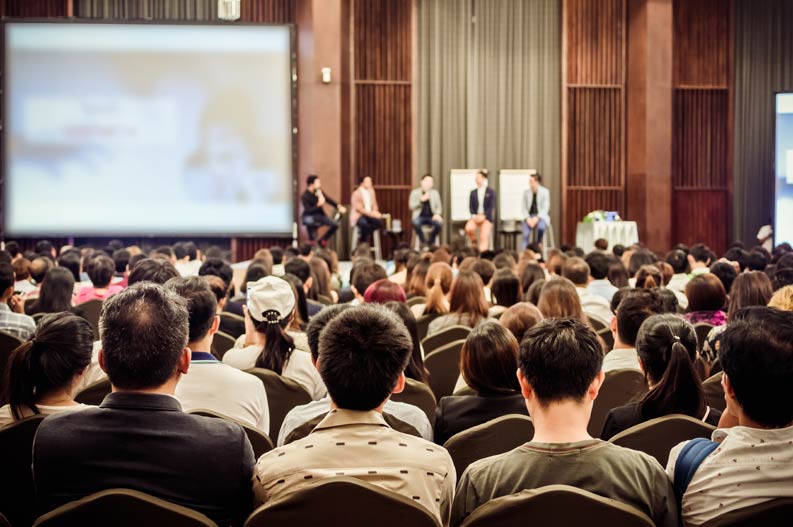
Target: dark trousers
{"x":315,"y":221}
{"x":420,"y":221}
{"x":367,"y":226}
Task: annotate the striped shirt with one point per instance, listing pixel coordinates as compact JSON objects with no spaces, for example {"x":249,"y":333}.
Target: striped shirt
{"x":17,"y":324}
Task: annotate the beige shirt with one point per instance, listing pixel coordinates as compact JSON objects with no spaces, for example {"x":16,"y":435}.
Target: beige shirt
{"x":360,"y":445}
{"x":7,"y":418}
{"x":621,"y":359}
{"x":750,"y":466}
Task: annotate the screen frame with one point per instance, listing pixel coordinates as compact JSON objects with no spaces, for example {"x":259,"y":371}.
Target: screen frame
{"x":293,"y":120}
{"x":773,"y":163}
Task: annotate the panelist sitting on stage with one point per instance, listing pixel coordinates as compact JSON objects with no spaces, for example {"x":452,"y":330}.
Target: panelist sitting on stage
{"x":425,"y":202}
{"x":536,"y":208}
{"x":365,"y":212}
{"x":313,"y":200}
{"x":482,"y":205}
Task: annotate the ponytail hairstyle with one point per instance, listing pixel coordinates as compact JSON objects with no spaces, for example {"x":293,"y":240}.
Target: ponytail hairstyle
{"x":278,"y":345}
{"x":649,"y":277}
{"x":50,"y":360}
{"x":667,"y":347}
{"x":438,"y":283}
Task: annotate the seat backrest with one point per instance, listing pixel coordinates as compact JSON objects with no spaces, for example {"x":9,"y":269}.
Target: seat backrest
{"x":259,"y":441}
{"x":772,"y":513}
{"x":328,"y":503}
{"x":221,"y":343}
{"x":416,"y":300}
{"x":714,"y":391}
{"x":283,"y":394}
{"x":597,"y":323}
{"x":556,"y":505}
{"x":123,"y":508}
{"x":657,"y":436}
{"x":17,"y":493}
{"x":444,"y":337}
{"x":91,"y":311}
{"x":423,"y":323}
{"x":702,"y":329}
{"x":608,"y":338}
{"x":8,"y":343}
{"x":444,"y":367}
{"x":94,"y":394}
{"x":418,"y":394}
{"x":38,"y":316}
{"x":496,"y":436}
{"x":325,"y":300}
{"x":619,"y":388}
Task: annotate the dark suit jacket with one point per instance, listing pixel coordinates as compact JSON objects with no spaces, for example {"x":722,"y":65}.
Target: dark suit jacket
{"x":460,"y":412}
{"x":624,"y":417}
{"x":489,"y":206}
{"x":145,"y":442}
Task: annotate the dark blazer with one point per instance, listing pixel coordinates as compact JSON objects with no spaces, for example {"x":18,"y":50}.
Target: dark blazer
{"x":460,"y":412}
{"x":489,"y":205}
{"x":145,"y":442}
{"x":624,"y":417}
{"x":310,"y":203}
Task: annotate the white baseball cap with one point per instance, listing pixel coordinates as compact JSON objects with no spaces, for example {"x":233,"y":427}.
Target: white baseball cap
{"x":270,"y":294}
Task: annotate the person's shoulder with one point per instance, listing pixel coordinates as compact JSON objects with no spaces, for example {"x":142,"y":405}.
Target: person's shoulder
{"x":627,"y":457}
{"x":214,"y":432}
{"x":494,"y":464}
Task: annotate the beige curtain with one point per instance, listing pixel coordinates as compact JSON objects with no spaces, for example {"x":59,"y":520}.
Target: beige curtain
{"x":763,"y":66}
{"x":147,"y":9}
{"x":489,"y":89}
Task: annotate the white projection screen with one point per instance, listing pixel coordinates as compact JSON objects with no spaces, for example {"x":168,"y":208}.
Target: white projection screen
{"x":147,"y":129}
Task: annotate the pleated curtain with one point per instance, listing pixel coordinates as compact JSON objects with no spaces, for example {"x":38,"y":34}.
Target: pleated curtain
{"x":147,"y":9}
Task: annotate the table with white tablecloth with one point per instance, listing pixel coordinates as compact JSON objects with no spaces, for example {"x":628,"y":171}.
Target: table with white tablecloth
{"x":616,"y":232}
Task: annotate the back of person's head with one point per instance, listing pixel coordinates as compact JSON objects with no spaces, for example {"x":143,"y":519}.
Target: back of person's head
{"x":556,"y":262}
{"x":726,"y":273}
{"x":438,"y":283}
{"x":756,"y":355}
{"x":300,"y":316}
{"x":101,"y":271}
{"x":362,"y":250}
{"x":619,"y":294}
{"x":271,"y":303}
{"x":441,"y":254}
{"x":153,"y":270}
{"x":782,"y":278}
{"x":401,"y":257}
{"x":576,"y":270}
{"x":135,"y":259}
{"x":278,"y":255}
{"x":318,"y":323}
{"x":217,"y":267}
{"x":363,"y":353}
{"x":382,"y":291}
{"x":678,"y":260}
{"x":668,"y":299}
{"x":530,"y":274}
{"x":264,"y":257}
{"x":782,"y":299}
{"x":532,"y":294}
{"x":649,"y":277}
{"x":299,"y":268}
{"x":752,"y":288}
{"x":164,"y":251}
{"x":39,"y":267}
{"x":560,"y":359}
{"x":505,"y":261}
{"x":488,"y":360}
{"x":417,"y":274}
{"x":756,"y":260}
{"x":598,"y":263}
{"x":602,"y":244}
{"x":56,"y":291}
{"x":618,"y":250}
{"x":21,"y":268}
{"x":618,"y":274}
{"x":321,"y":273}
{"x":667,"y":273}
{"x":217,"y":286}
{"x":12,"y":248}
{"x":415,"y":368}
{"x":705,"y":292}
{"x":737,"y":255}
{"x":71,"y":260}
{"x":121,"y":260}
{"x":667,"y":349}
{"x":636,"y":306}
{"x":7,"y":278}
{"x":467,"y":296}
{"x":144,"y":331}
{"x":484,"y":268}
{"x":519,"y":318}
{"x":640,"y":258}
{"x":52,"y":359}
{"x":559,"y":299}
{"x":701,"y":253}
{"x":366,"y":275}
{"x":201,"y":304}
{"x":505,"y":288}
{"x":179,"y":250}
{"x":45,"y":248}
{"x":254,"y":273}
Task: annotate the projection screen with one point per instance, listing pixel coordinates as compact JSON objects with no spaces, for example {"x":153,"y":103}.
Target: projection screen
{"x":147,"y":129}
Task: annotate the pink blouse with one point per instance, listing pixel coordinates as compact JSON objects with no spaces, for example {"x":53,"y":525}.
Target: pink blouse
{"x":91,"y":293}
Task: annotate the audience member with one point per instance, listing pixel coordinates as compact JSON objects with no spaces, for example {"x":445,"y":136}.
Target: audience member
{"x":679,"y":262}
{"x":218,"y":267}
{"x":670,"y":300}
{"x":505,"y":290}
{"x":13,"y":319}
{"x":519,"y":318}
{"x":71,"y":260}
{"x":706,"y":300}
{"x":400,"y":274}
{"x":38,"y":270}
{"x":382,"y":291}
{"x":485,"y":269}
{"x":437,"y":286}
{"x":636,"y":306}
{"x":559,"y":298}
{"x":782,"y":299}
{"x":667,"y":348}
{"x":488,"y":361}
{"x":649,"y":277}
{"x":560,"y":376}
{"x":417,"y":275}
{"x":138,"y":438}
{"x":467,"y":306}
{"x":152,"y":270}
{"x":530,"y":274}
{"x":618,"y":274}
{"x":24,"y":281}
{"x":322,"y":279}
{"x":756,"y":260}
{"x":100,"y":271}
{"x":725,"y":272}
{"x":365,"y":275}
{"x":187,"y":261}
{"x":577,"y":271}
{"x":699,"y":259}
{"x":415,"y":369}
{"x":56,"y":294}
{"x":362,"y":357}
{"x":599,"y":285}
{"x":638,"y":259}
{"x":233,"y":326}
{"x":532,"y":295}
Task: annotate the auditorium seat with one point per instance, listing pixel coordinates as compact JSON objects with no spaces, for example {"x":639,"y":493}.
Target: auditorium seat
{"x":8,"y":343}
{"x":496,"y":436}
{"x":233,"y":320}
{"x":658,"y":436}
{"x":444,"y":367}
{"x":556,"y":505}
{"x":94,"y":394}
{"x":772,"y":513}
{"x":419,"y":395}
{"x":91,"y":310}
{"x":376,"y":246}
{"x":342,"y":502}
{"x":619,"y":388}
{"x":17,"y":493}
{"x":123,"y":508}
{"x":423,"y":323}
{"x":714,"y":391}
{"x":259,"y":441}
{"x":221,"y":343}
{"x":416,"y":300}
{"x":450,"y":334}
{"x":283,"y":394}
{"x":702,"y":330}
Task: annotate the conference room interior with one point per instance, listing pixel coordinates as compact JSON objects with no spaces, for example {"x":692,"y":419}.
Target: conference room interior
{"x":658,"y":131}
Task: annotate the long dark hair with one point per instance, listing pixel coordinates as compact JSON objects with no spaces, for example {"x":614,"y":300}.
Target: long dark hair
{"x":56,"y":291}
{"x":60,"y":349}
{"x":667,"y":347}
{"x":301,"y":315}
{"x":278,"y":344}
{"x":415,"y":368}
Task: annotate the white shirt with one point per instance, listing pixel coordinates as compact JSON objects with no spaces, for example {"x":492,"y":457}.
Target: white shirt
{"x":189,"y":268}
{"x":298,"y":368}
{"x":602,"y":288}
{"x":24,"y":286}
{"x":621,"y":359}
{"x":367,"y":199}
{"x":678,"y":282}
{"x":480,"y":195}
{"x":211,"y":385}
{"x":751,"y":466}
{"x":595,"y":305}
{"x":6,"y":418}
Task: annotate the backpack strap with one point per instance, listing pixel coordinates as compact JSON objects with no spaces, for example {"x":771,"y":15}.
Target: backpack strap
{"x":691,"y":457}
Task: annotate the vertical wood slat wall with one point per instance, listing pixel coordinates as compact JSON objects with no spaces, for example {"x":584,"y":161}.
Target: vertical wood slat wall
{"x":593,"y":109}
{"x":702,"y":107}
{"x":382,"y":143}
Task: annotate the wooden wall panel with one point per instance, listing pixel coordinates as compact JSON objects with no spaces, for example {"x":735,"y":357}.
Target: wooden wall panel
{"x":268,"y":11}
{"x":34,"y":8}
{"x":595,"y":32}
{"x":701,"y":35}
{"x":698,"y":216}
{"x":383,"y":39}
{"x":383,"y":133}
{"x":701,"y":139}
{"x":595,"y":139}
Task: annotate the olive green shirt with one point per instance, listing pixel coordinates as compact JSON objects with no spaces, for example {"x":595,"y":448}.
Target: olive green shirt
{"x":628,"y":476}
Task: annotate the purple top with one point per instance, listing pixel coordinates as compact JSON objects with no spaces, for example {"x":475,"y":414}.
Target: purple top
{"x":714,"y":318}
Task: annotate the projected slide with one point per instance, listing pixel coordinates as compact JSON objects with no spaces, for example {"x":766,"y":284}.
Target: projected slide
{"x":783,"y":230}
{"x":147,"y":129}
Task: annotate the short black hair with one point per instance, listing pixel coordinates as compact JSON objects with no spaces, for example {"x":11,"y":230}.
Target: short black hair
{"x":737,"y":254}
{"x":756,"y":261}
{"x":636,"y":307}
{"x":724,"y":272}
{"x":44,"y":247}
{"x":598,"y":263}
{"x":217,"y":267}
{"x":71,"y":260}
{"x":144,"y":330}
{"x":618,"y":250}
{"x":678,"y":260}
{"x":367,"y":274}
{"x":362,"y":353}
{"x":485,"y":269}
{"x":7,"y":277}
{"x":425,"y":176}
{"x":152,"y":270}
{"x":101,"y":270}
{"x":318,"y":323}
{"x":278,"y":255}
{"x":12,"y":248}
{"x":560,"y":358}
{"x":299,"y":268}
{"x":201,"y":304}
{"x":165,"y":250}
{"x":311,"y":179}
{"x":701,"y":253}
{"x":361,"y":178}
{"x":121,"y":259}
{"x":757,"y":358}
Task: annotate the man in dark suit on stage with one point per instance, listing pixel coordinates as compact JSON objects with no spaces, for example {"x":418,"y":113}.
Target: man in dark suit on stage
{"x":482,"y":205}
{"x":313,"y":199}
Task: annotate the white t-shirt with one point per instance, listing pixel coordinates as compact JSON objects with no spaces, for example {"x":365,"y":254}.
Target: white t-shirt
{"x":6,"y":418}
{"x":367,"y":199}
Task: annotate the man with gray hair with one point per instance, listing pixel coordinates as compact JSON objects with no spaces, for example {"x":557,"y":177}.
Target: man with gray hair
{"x":139,"y":438}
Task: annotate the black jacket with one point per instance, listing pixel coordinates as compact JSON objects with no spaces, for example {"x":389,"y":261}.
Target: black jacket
{"x":460,"y":412}
{"x":310,"y":200}
{"x":489,"y":206}
{"x":624,"y":417}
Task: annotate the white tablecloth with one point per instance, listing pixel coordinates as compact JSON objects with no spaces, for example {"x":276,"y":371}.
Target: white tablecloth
{"x":616,"y":232}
